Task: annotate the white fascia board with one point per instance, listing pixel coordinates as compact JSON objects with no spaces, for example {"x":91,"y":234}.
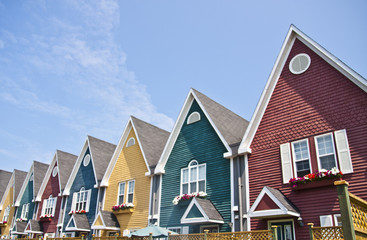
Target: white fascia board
{"x":141,"y":147}
{"x":46,"y":178}
{"x":174,"y":134}
{"x":266,"y":213}
{"x":92,"y":160}
{"x":116,"y":154}
{"x":105,"y":228}
{"x":10,"y":183}
{"x":71,"y":179}
{"x":95,"y":219}
{"x":25,"y":183}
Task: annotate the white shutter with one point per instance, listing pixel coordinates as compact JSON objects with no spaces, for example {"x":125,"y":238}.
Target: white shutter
{"x":44,"y":206}
{"x":185,"y":230}
{"x":326,"y":221}
{"x":54,"y":206}
{"x":342,"y":147}
{"x":88,"y":200}
{"x":73,"y":203}
{"x":285,"y":156}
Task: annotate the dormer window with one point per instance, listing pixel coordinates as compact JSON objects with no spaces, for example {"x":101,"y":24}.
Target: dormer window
{"x":194,"y":117}
{"x":130,"y":142}
{"x":193,"y":178}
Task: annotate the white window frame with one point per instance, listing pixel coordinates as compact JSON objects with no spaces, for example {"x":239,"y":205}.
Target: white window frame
{"x":76,"y":206}
{"x":336,"y":219}
{"x":128,"y":193}
{"x":172,"y":229}
{"x":190,"y":120}
{"x":189,"y":167}
{"x":317,"y":150}
{"x":130,"y":142}
{"x":49,"y":206}
{"x":327,"y":218}
{"x":25,"y":210}
{"x":119,"y":193}
{"x":294,"y":156}
{"x":6,"y":214}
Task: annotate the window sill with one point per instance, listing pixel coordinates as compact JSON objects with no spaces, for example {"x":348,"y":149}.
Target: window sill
{"x":316,"y":184}
{"x":124,"y":211}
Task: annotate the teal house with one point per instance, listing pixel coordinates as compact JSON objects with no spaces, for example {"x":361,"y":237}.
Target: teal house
{"x":197,"y":191}
{"x":25,"y":202}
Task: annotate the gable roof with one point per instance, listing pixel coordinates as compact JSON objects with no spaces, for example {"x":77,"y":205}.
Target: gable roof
{"x":151,"y":140}
{"x":101,"y":153}
{"x":4,"y":179}
{"x":284,"y":206}
{"x":293,"y":34}
{"x":78,"y":222}
{"x":108,"y":219}
{"x":19,"y":228}
{"x":63,"y":161}
{"x":33,"y":226}
{"x":16,"y":181}
{"x":209,"y":214}
{"x":38,"y":170}
{"x":229,"y":126}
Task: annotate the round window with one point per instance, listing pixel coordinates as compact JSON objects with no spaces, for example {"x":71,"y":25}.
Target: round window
{"x":54,"y":172}
{"x":86,"y":160}
{"x":300,"y":63}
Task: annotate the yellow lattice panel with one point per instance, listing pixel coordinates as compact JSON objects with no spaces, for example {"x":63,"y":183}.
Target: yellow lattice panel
{"x":253,"y":235}
{"x":359,"y":213}
{"x":187,"y":237}
{"x":328,"y":233}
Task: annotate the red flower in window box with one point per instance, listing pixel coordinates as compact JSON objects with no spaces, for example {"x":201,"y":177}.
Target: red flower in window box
{"x":77,"y":212}
{"x":334,"y":173}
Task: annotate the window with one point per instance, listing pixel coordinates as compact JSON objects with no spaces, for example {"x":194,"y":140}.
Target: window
{"x":130,"y":193}
{"x":194,"y":117}
{"x":299,"y":63}
{"x":49,"y":205}
{"x":175,"y":229}
{"x":337,"y":220}
{"x":325,"y":151}
{"x":301,"y":158}
{"x":130,"y":142}
{"x":54,"y":172}
{"x":86,"y":160}
{"x":327,"y":220}
{"x":121,"y":193}
{"x":25,"y":210}
{"x":193,"y":178}
{"x":81,"y":200}
{"x":6,"y":214}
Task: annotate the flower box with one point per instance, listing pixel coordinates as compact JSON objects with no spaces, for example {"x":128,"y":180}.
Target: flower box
{"x":316,"y":184}
{"x":184,"y":197}
{"x":3,"y":224}
{"x":78,"y":212}
{"x":45,"y":219}
{"x":123,"y":211}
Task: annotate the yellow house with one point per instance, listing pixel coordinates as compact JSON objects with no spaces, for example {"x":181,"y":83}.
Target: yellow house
{"x":7,"y":202}
{"x":129,"y":183}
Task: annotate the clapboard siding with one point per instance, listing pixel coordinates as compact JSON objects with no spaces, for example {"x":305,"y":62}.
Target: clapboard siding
{"x":197,"y":141}
{"x":318,"y":101}
{"x":9,"y":201}
{"x":27,"y":198}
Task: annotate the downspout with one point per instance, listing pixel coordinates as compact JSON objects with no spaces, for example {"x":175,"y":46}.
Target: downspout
{"x":240,"y":193}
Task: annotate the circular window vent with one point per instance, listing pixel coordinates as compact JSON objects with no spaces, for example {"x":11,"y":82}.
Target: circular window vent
{"x":300,"y":63}
{"x":54,"y":172}
{"x":86,"y":160}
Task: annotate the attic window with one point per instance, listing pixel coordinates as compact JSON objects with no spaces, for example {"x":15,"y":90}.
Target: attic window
{"x":86,"y":160}
{"x":130,"y":142}
{"x":194,"y":117}
{"x":54,"y":172}
{"x":300,"y":63}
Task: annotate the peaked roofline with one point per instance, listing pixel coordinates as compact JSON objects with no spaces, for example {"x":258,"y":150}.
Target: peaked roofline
{"x":293,"y":34}
{"x":26,"y":180}
{"x":191,"y":96}
{"x":46,"y":178}
{"x":10,"y":184}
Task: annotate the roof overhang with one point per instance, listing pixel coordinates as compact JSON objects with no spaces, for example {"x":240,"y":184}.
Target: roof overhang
{"x":204,"y":218}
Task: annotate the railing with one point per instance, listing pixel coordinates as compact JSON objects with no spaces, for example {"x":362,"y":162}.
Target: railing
{"x":253,"y":235}
{"x":359,"y":214}
{"x":326,"y":233}
{"x":199,"y":236}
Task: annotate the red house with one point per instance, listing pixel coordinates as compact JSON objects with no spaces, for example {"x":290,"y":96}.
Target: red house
{"x":311,"y":117}
{"x":49,"y":199}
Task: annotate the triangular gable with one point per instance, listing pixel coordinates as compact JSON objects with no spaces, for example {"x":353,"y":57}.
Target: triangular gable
{"x":46,"y":178}
{"x":292,"y":35}
{"x":33,"y":227}
{"x":78,"y":222}
{"x":16,"y":181}
{"x":271,"y":202}
{"x":106,"y":221}
{"x":71,"y":223}
{"x":4,"y":180}
{"x":19,"y":228}
{"x":201,"y":211}
{"x":19,"y":196}
{"x":212,"y":110}
{"x":9,"y":185}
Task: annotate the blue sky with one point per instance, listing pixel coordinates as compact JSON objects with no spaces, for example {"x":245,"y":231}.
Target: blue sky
{"x":69,"y":69}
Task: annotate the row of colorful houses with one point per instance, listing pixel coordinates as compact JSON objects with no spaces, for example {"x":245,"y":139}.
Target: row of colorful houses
{"x":215,"y":170}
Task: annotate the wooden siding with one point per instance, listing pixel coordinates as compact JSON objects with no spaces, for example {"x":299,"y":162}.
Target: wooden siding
{"x":84,"y":178}
{"x":9,"y":200}
{"x":197,"y":141}
{"x":52,"y":188}
{"x":25,"y":199}
{"x":130,"y":165}
{"x":318,"y":101}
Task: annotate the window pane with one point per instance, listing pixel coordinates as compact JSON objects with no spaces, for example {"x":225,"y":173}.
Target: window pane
{"x":121,"y":199}
{"x":122,"y":188}
{"x":85,"y":196}
{"x":300,"y":150}
{"x":327,"y":162}
{"x":185,"y":188}
{"x":131,"y":186}
{"x":193,"y":174}
{"x":185,"y":175}
{"x":202,"y":186}
{"x":193,"y":187}
{"x":130,"y":198}
{"x":202,"y":172}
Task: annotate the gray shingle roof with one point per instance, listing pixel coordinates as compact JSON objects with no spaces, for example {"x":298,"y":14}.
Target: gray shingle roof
{"x":19,"y":227}
{"x":230,"y":125}
{"x":109,"y":219}
{"x":35,"y":226}
{"x":66,"y":162}
{"x":152,"y":139}
{"x":81,"y":221}
{"x":19,"y":177}
{"x":283,"y":200}
{"x":102,"y":152}
{"x":4,"y":180}
{"x":39,"y":172}
{"x":209,"y":209}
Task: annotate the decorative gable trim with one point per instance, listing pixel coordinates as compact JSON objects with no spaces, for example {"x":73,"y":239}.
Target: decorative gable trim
{"x":204,"y":219}
{"x":177,"y":128}
{"x":75,"y":228}
{"x":282,"y":210}
{"x":103,"y":226}
{"x":46,"y":178}
{"x":293,"y":33}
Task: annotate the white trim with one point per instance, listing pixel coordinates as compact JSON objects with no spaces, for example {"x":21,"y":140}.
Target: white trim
{"x":232,"y":193}
{"x":10,"y":184}
{"x":283,"y":220}
{"x":317,"y":150}
{"x":292,"y":34}
{"x":294,"y":156}
{"x":86,"y":159}
{"x":294,"y":59}
{"x":150,"y":200}
{"x":140,"y":145}
{"x":247,"y":182}
{"x":118,"y":192}
{"x":336,"y":219}
{"x":324,"y":218}
{"x":46,"y":178}
{"x":189,"y":174}
{"x":204,"y":219}
{"x":128,"y":142}
{"x":159,"y":199}
{"x":76,"y":227}
{"x":342,"y":148}
{"x":189,"y":121}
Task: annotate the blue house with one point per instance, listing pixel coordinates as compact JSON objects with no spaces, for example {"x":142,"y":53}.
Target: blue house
{"x":197,"y":181}
{"x":82,"y":196}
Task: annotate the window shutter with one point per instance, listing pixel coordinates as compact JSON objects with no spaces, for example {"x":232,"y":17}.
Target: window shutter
{"x":74,"y":201}
{"x":326,"y":221}
{"x":285,"y":156}
{"x":185,"y":230}
{"x":88,"y":200}
{"x":342,"y":147}
{"x":54,"y":206}
{"x":44,"y":207}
